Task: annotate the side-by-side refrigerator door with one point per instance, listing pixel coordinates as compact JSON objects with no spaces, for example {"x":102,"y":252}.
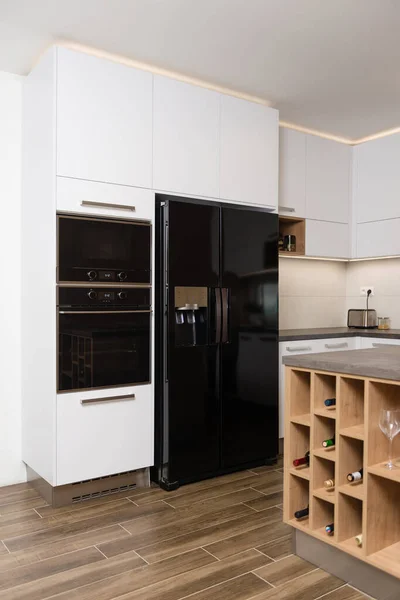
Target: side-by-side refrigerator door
{"x":249,"y":349}
{"x":194,"y":321}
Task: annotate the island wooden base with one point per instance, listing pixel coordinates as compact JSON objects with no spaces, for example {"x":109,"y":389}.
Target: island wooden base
{"x":370,"y":507}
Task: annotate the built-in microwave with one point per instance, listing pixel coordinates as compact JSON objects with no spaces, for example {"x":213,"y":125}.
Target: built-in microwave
{"x":103,"y":251}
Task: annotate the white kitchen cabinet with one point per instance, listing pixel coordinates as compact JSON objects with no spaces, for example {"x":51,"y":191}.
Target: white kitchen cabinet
{"x":292,"y":173}
{"x":379,"y":238}
{"x":104,"y":432}
{"x":378,"y":342}
{"x":292,"y":348}
{"x":377,"y":185}
{"x":328,"y":167}
{"x":104,"y":199}
{"x":186,"y":137}
{"x":104,"y":120}
{"x":325,"y":239}
{"x":248,"y":152}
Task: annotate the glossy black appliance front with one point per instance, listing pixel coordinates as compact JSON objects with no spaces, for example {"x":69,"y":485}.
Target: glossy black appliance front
{"x":103,"y":337}
{"x":217,"y":339}
{"x":103,"y":251}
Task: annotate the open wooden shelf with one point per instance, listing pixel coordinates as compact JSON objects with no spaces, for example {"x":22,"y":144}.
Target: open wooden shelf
{"x":355,"y":490}
{"x":302,"y":420}
{"x":303,"y":472}
{"x":356,"y":432}
{"x":369,"y":507}
{"x":293,"y":226}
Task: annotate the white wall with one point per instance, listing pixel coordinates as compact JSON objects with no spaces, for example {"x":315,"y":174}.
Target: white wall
{"x":384,"y":275}
{"x":12,"y":469}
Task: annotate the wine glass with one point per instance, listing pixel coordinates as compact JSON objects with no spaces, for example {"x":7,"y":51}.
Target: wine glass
{"x":389,"y":423}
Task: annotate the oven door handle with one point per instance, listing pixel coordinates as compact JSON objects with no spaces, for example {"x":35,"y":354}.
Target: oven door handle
{"x":92,"y":203}
{"x":107,"y":399}
{"x":102,"y":312}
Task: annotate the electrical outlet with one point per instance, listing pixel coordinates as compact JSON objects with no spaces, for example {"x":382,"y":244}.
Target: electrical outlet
{"x":364,"y":290}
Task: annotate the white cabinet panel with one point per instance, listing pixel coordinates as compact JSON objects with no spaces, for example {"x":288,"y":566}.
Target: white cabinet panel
{"x":328,"y":167}
{"x":378,"y":342}
{"x":104,"y":437}
{"x":103,"y":199}
{"x":381,"y":238}
{"x":324,"y":239}
{"x":292,"y":173}
{"x":378,"y":179}
{"x":186,"y":134}
{"x":249,"y":152}
{"x":104,"y":120}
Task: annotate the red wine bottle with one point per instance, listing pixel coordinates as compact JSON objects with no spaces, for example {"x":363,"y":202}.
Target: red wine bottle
{"x":300,"y":514}
{"x":330,"y":402}
{"x":330,"y":528}
{"x":304,"y":460}
{"x":355,"y":476}
{"x":329,"y":442}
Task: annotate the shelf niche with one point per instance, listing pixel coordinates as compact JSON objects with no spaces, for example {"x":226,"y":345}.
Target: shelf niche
{"x":297,"y":227}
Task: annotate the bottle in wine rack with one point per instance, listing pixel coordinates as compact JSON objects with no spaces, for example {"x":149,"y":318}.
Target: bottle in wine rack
{"x":330,"y":528}
{"x":358,"y":539}
{"x":329,"y":483}
{"x":355,"y":476}
{"x":330,"y":402}
{"x":304,"y":460}
{"x":329,"y":442}
{"x":300,"y":514}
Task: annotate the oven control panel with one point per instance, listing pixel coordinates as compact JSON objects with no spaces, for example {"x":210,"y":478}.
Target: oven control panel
{"x":107,"y":297}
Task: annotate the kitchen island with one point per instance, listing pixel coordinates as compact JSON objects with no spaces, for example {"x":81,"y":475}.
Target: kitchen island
{"x":362,"y":382}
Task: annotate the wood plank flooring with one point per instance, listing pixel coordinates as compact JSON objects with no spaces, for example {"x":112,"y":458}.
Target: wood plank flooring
{"x":221,"y":539}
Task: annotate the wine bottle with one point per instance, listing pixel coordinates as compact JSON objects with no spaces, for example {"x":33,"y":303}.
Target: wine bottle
{"x":330,"y":528}
{"x":355,"y":476}
{"x":328,"y":443}
{"x":330,"y":402}
{"x":329,"y":483}
{"x":358,"y":539}
{"x":304,"y":460}
{"x":300,"y":514}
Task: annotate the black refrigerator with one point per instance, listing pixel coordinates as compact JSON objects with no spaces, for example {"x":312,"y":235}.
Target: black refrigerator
{"x":216,"y":355}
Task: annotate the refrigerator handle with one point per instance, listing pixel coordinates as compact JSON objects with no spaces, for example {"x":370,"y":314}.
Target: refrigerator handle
{"x":218,"y":315}
{"x":225,"y":315}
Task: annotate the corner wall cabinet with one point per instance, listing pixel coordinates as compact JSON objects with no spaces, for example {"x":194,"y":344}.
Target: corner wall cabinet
{"x":368,"y":507}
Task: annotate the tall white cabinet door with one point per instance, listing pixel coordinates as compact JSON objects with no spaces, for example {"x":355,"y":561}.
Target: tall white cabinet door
{"x":329,"y":240}
{"x":249,"y":152}
{"x":185,"y":142}
{"x":377,"y":186}
{"x":328,"y":167}
{"x":104,"y":120}
{"x":292,"y":173}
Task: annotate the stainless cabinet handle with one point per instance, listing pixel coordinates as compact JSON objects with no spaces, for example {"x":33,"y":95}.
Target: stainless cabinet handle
{"x":102,"y":312}
{"x":286,"y":208}
{"x":299,"y":349}
{"x":340,"y":345}
{"x":375,"y":345}
{"x":92,"y":203}
{"x":107,"y":399}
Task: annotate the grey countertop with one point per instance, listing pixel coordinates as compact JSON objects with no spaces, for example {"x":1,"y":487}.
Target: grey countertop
{"x":286,"y":335}
{"x":381,"y":363}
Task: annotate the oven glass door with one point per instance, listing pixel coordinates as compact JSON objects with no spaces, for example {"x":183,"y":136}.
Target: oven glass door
{"x":87,"y":244}
{"x":103,"y":349}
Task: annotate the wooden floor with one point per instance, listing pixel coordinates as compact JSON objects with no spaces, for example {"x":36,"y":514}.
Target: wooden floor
{"x":221,"y":539}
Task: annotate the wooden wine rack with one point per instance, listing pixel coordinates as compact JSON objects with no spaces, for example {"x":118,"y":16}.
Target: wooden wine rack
{"x":371,"y":506}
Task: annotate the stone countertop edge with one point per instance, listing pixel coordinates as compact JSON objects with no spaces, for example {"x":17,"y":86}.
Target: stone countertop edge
{"x":293,"y":335}
{"x":375,"y":363}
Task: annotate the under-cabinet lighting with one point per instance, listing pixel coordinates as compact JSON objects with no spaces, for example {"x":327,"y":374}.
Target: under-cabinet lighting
{"x":346,"y":260}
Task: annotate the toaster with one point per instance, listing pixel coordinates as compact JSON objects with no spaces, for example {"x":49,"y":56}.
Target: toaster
{"x":362,"y":318}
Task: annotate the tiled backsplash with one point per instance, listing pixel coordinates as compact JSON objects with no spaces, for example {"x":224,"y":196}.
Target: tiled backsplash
{"x":319,"y":293}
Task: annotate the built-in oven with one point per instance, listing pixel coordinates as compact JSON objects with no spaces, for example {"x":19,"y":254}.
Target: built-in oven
{"x":103,"y":337}
{"x":103,"y":251}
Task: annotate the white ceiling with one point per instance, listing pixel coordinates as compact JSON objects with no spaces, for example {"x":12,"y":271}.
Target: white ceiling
{"x":329,"y":65}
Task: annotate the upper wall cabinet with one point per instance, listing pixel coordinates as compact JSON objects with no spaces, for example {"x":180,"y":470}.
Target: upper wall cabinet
{"x":186,"y":134}
{"x":377,"y":185}
{"x":249,"y":152}
{"x":104,"y":120}
{"x":328,"y":167}
{"x":292,"y":173}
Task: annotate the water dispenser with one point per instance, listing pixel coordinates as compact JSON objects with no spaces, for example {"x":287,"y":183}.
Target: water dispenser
{"x":191,"y":316}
